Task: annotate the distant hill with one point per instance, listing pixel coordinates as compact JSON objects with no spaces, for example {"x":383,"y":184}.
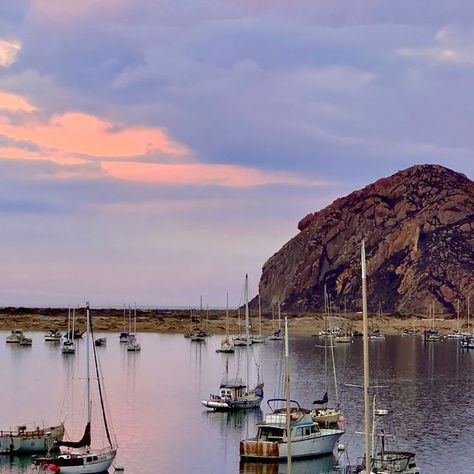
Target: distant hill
{"x":419,"y":230}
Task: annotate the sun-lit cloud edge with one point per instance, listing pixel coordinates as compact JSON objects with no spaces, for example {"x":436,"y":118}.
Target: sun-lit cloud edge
{"x":9,"y":50}
{"x":88,"y":147}
{"x":450,"y":45}
{"x":201,"y":174}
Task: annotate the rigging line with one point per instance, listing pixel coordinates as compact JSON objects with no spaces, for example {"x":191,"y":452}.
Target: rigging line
{"x":94,"y":351}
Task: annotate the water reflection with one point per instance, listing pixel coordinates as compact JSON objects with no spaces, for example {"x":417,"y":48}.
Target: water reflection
{"x":17,"y":464}
{"x":322,"y":465}
{"x":155,"y":399}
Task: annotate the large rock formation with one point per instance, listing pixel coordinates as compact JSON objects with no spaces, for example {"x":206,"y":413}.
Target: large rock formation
{"x":418,"y":226}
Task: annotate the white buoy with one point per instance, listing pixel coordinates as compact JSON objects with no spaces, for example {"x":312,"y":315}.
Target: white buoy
{"x":340,"y":447}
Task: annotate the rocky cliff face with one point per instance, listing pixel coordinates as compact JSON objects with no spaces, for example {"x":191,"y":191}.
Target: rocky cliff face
{"x":419,"y":230}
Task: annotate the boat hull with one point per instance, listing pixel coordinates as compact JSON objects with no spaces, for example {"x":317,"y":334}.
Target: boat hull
{"x":312,"y":446}
{"x":87,"y":463}
{"x":219,"y":405}
{"x":30,"y":441}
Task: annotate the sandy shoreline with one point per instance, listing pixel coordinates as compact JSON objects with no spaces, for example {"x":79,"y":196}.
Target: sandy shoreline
{"x":177,"y":321}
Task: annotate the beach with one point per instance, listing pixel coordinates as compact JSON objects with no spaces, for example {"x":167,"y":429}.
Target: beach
{"x":179,"y":321}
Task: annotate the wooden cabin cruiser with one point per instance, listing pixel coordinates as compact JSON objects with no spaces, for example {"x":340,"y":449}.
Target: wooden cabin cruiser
{"x":307,"y":438}
{"x":233,"y":395}
{"x":28,"y":440}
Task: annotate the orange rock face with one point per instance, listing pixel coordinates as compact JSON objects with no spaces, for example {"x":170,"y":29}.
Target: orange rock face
{"x":419,"y":230}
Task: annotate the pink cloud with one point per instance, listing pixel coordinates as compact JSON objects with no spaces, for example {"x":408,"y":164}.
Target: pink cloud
{"x":81,"y":139}
{"x":15,"y":103}
{"x":198,"y":174}
{"x":82,"y":134}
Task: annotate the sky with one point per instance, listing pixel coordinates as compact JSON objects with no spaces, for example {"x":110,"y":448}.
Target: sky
{"x":154,"y":151}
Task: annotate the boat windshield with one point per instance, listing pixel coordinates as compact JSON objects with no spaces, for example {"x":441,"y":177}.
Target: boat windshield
{"x":270,"y":433}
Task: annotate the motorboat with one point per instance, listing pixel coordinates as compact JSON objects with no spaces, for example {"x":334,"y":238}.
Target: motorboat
{"x":30,"y":439}
{"x":53,"y":335}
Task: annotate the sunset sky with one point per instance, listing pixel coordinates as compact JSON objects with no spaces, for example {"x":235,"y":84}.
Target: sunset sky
{"x":153,"y":151}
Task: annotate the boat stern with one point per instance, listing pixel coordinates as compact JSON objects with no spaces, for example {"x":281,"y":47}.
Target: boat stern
{"x":257,"y":449}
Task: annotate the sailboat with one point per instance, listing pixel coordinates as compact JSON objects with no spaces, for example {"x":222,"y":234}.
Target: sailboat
{"x":84,"y":459}
{"x":379,"y":460}
{"x":68,"y":346}
{"x":259,"y":338}
{"x":456,"y":334}
{"x":200,"y":334}
{"x":235,"y":394}
{"x":346,"y":336}
{"x":240,"y":340}
{"x":468,"y":339}
{"x":124,"y":335}
{"x":133,"y":345}
{"x":375,"y":333}
{"x":226,"y":344}
{"x":326,"y":416}
{"x":305,"y":439}
{"x":432,"y":335}
{"x":277,"y":336}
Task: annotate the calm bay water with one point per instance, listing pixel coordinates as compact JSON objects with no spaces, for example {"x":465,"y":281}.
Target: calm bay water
{"x":155,"y":399}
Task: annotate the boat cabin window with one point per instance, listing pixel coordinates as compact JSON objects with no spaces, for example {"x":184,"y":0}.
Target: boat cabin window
{"x":270,"y":433}
{"x":89,"y":459}
{"x":314,"y":428}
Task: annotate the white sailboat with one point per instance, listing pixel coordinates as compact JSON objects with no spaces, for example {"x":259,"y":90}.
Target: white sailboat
{"x":277,"y":336}
{"x":227,"y":345}
{"x":134,"y":345}
{"x":288,"y":432}
{"x":468,"y":339}
{"x":432,"y":335}
{"x":235,"y":394}
{"x":380,"y":461}
{"x":456,"y":334}
{"x":124,"y":335}
{"x":82,"y":458}
{"x":68,"y":346}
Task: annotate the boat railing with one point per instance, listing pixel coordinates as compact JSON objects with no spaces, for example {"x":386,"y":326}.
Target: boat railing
{"x":283,"y":400}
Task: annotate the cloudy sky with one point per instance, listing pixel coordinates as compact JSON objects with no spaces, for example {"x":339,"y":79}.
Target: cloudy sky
{"x":157,"y":150}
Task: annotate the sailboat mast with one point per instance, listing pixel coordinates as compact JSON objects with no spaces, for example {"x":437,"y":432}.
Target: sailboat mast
{"x":68,"y":324}
{"x":73,"y":324}
{"x":279,"y":315}
{"x":260,"y":315}
{"x":468,"y":313}
{"x":247,"y":336}
{"x":366,"y":360}
{"x":457,"y":320}
{"x":124,"y":317}
{"x":336,"y":391}
{"x":135,"y":319}
{"x":88,"y":327}
{"x":288,"y":398}
{"x":227,"y":316}
{"x":326,"y":336}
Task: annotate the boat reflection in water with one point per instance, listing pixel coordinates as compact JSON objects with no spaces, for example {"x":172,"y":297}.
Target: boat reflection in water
{"x":321,"y":465}
{"x":16,"y":464}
